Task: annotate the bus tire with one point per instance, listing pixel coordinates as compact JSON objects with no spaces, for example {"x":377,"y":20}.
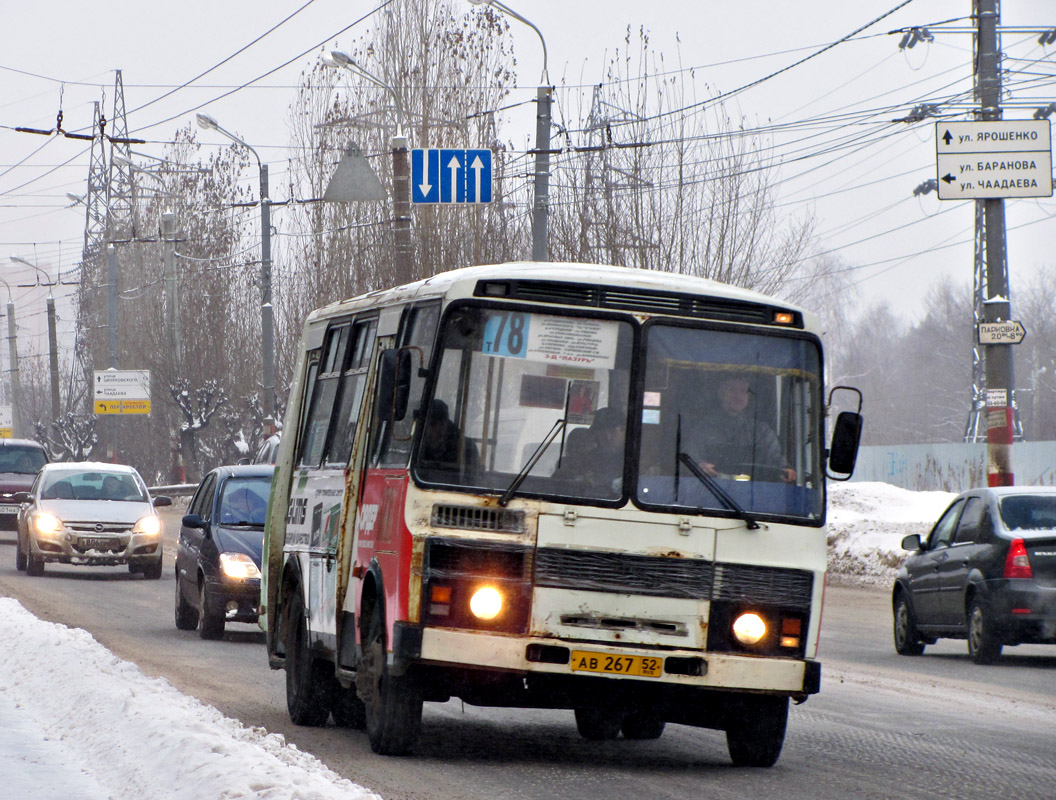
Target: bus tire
{"x":393,"y":704}
{"x":307,"y":685}
{"x":598,"y":724}
{"x":755,"y":731}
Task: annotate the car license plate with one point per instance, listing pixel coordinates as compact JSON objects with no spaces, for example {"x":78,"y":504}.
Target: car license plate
{"x":642,"y":666}
{"x":8,"y":509}
{"x":98,"y":543}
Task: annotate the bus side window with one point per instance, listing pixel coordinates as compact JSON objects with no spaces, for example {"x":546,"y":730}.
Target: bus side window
{"x":392,"y":443}
{"x":324,"y":393}
{"x":351,"y":394}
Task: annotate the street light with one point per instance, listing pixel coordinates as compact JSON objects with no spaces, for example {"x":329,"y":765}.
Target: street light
{"x":53,"y":338}
{"x":12,"y":353}
{"x":267,"y":320}
{"x":544,"y":96}
{"x":401,"y":172}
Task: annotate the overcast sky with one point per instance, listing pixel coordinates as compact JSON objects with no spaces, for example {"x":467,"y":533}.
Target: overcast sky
{"x":64,"y":53}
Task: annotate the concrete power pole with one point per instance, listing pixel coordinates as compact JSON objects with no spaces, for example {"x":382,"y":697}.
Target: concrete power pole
{"x":53,"y":346}
{"x":1000,"y":402}
{"x":172,"y":305}
{"x":16,"y":383}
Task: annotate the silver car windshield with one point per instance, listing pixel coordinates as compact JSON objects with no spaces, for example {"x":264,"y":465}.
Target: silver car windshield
{"x":93,"y":485}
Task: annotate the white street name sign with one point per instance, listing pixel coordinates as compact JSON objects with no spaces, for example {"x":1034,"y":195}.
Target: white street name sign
{"x":993,"y":160}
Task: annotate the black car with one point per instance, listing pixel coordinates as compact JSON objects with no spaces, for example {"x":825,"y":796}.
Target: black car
{"x":20,"y":461}
{"x":218,"y":554}
{"x":986,"y":573}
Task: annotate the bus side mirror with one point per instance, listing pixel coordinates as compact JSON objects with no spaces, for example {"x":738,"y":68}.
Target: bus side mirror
{"x":846,"y":436}
{"x":394,"y":385}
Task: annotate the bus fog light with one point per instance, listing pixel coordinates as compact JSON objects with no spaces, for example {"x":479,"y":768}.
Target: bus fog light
{"x":749,"y":628}
{"x":486,"y":603}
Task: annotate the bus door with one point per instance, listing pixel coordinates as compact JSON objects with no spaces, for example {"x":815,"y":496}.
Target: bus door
{"x":317,"y":493}
{"x":382,"y":531}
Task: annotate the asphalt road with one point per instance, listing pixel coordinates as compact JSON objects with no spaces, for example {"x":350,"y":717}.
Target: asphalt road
{"x":883,"y":726}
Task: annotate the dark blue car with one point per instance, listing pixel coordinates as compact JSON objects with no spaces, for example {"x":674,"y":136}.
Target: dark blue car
{"x":218,"y":554}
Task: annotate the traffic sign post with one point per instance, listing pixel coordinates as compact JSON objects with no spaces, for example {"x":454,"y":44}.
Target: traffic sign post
{"x":994,"y":159}
{"x":451,"y":177}
{"x":121,"y":391}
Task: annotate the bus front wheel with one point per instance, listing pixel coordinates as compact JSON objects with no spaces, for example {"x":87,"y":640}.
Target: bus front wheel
{"x":755,"y":731}
{"x":393,"y":704}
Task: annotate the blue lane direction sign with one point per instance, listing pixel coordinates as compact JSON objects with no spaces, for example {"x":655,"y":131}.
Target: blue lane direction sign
{"x":451,"y":176}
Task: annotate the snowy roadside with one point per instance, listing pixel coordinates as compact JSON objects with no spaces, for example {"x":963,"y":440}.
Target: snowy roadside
{"x":112,"y":733}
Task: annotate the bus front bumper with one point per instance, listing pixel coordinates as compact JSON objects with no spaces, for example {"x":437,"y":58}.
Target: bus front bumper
{"x":462,"y":649}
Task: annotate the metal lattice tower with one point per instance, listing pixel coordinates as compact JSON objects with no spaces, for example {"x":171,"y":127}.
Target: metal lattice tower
{"x":120,"y":187}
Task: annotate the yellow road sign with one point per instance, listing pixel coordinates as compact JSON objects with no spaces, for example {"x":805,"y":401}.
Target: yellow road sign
{"x":122,"y":406}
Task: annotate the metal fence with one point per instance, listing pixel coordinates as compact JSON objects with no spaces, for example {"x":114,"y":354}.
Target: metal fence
{"x":952,"y":467}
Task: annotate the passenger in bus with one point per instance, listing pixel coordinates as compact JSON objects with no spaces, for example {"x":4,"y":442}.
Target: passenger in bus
{"x":594,"y":455}
{"x":443,"y":443}
{"x":730,"y":438}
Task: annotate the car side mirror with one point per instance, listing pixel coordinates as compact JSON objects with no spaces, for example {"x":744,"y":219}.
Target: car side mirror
{"x":912,"y":542}
{"x":162,"y":500}
{"x":193,"y":521}
{"x":23,"y":497}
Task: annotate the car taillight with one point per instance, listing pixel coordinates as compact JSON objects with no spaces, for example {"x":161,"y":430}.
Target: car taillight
{"x":1017,"y":564}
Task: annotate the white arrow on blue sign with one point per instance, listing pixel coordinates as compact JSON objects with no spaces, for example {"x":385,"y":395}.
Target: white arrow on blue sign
{"x":450,"y":176}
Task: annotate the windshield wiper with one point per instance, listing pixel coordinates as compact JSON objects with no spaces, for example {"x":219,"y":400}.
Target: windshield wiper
{"x":714,"y":487}
{"x":559,"y":426}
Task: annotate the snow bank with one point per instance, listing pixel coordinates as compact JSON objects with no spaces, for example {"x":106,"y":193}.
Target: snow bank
{"x":867,"y":522}
{"x":137,"y":736}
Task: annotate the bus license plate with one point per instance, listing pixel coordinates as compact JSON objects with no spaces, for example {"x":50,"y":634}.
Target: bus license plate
{"x":641,"y":666}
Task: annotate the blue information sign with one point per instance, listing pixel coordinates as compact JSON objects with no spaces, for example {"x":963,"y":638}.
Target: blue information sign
{"x":450,"y":176}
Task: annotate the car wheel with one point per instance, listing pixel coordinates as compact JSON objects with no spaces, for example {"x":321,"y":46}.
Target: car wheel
{"x":598,"y":724}
{"x":20,"y":555}
{"x":307,"y":685}
{"x":152,"y":570}
{"x":984,"y":646}
{"x":210,"y":621}
{"x":186,"y":614}
{"x":34,"y":564}
{"x":393,"y":704}
{"x":641,"y":725}
{"x":755,"y":731}
{"x":907,"y":638}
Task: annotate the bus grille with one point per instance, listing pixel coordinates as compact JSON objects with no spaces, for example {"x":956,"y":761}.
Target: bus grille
{"x":672,"y":577}
{"x":745,"y":583}
{"x":628,"y":574}
{"x":475,"y":518}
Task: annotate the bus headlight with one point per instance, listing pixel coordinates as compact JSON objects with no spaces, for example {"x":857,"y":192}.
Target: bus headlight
{"x":749,"y":628}
{"x":486,"y":603}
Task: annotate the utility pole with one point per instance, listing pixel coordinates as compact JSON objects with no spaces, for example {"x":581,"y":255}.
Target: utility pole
{"x":1000,"y":400}
{"x":53,"y":345}
{"x":172,"y":306}
{"x":111,"y":323}
{"x":401,"y":208}
{"x":267,"y":310}
{"x":16,"y":384}
{"x":541,"y":205}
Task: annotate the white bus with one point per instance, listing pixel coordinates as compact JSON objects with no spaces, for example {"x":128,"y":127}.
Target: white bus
{"x":554,"y":486}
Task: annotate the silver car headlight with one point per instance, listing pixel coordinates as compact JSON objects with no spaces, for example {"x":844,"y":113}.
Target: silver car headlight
{"x":47,"y":524}
{"x":149,"y":525}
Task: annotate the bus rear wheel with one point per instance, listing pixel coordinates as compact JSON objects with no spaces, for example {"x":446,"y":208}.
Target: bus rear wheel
{"x":755,"y":731}
{"x":393,"y":704}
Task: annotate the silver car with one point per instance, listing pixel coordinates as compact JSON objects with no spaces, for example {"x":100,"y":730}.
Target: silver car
{"x":91,"y":514}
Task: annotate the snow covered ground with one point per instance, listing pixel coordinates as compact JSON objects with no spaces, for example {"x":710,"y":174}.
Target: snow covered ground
{"x":113,"y":733}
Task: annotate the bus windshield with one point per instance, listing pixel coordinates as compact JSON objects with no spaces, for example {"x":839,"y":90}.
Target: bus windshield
{"x":540,"y":404}
{"x":542,"y":394}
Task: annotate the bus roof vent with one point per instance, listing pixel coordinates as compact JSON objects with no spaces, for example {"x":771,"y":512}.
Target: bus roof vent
{"x":475,"y":518}
{"x":645,"y":301}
